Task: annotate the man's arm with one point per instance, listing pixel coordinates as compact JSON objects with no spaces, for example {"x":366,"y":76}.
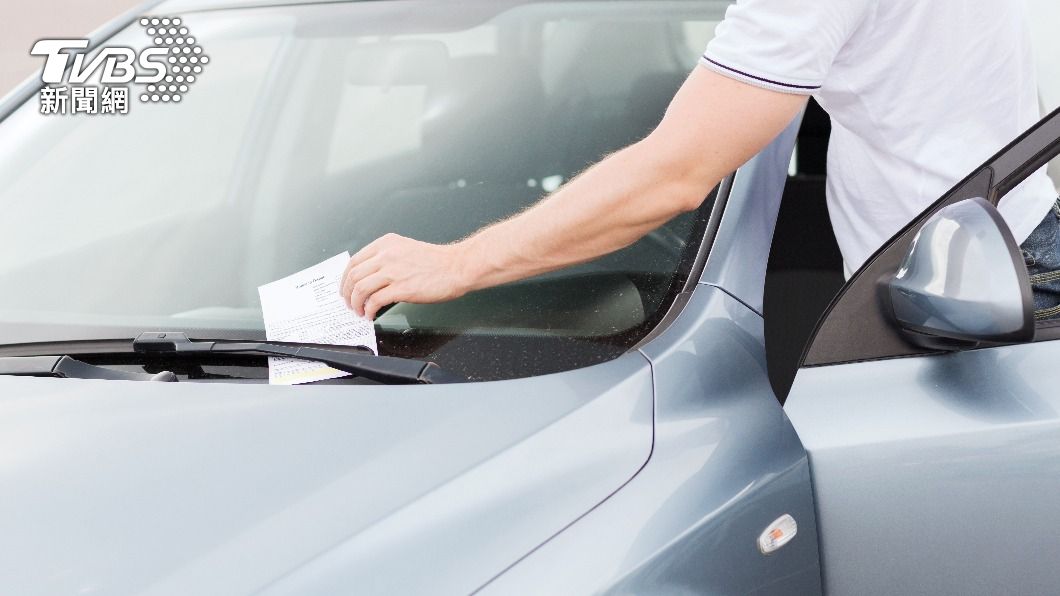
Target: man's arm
{"x":712,"y":127}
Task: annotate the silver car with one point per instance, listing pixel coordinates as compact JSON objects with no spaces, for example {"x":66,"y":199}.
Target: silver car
{"x":632,"y":425}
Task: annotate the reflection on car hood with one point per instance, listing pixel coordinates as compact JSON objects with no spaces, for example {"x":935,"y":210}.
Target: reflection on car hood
{"x":120,"y":487}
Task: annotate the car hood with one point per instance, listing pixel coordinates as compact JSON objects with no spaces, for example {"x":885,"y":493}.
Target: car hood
{"x":192,"y":488}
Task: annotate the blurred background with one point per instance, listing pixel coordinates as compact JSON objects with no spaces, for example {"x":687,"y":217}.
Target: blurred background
{"x":23,"y":22}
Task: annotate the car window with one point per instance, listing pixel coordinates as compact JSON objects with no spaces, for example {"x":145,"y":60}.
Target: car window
{"x":78,"y":174}
{"x":316,"y":129}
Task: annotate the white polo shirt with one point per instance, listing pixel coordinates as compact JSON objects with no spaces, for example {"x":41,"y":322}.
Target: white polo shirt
{"x":920,"y":92}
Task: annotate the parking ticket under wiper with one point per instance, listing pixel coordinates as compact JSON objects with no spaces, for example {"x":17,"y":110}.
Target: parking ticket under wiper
{"x":305,"y":307}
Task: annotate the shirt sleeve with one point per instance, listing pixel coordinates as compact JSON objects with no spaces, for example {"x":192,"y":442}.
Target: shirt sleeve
{"x":784,"y":45}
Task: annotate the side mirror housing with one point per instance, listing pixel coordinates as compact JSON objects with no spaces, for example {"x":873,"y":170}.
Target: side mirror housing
{"x":963,"y":282}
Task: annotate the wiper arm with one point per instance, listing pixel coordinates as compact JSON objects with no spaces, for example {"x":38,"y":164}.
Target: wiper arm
{"x":363,"y":363}
{"x":65,"y":367}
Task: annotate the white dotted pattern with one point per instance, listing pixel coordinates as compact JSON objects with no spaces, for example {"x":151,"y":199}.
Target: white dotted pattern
{"x":186,"y":57}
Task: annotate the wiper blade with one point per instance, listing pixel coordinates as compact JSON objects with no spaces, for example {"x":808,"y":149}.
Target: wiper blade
{"x":363,"y":363}
{"x":65,"y":367}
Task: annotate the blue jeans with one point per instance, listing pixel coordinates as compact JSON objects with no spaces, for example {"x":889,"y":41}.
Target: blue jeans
{"x":1041,"y":253}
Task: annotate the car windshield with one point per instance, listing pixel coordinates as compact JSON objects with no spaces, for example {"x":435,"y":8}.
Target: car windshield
{"x":315,"y":129}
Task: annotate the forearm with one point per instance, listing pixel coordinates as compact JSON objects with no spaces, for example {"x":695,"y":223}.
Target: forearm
{"x":606,"y":208}
{"x":713,"y":125}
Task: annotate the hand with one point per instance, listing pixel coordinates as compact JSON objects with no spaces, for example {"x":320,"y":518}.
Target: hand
{"x":398,"y":269}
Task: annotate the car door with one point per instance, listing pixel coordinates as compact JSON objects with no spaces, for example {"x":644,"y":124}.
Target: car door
{"x":934,"y":472}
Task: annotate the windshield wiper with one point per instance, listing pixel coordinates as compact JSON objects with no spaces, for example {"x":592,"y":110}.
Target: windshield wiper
{"x":362,"y":362}
{"x":65,"y":367}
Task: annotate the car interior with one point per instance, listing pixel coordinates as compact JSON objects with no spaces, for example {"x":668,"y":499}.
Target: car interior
{"x":485,"y":165}
{"x":470,"y":163}
{"x":445,"y":157}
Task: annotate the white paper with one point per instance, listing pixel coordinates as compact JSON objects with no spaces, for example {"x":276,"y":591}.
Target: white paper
{"x":306,"y":308}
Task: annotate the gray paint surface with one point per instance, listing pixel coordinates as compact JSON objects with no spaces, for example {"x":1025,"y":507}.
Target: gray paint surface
{"x":964,"y":278}
{"x":937,"y":474}
{"x":738,"y":260}
{"x":654,"y":473}
{"x":129,"y":487}
{"x":725,"y":464}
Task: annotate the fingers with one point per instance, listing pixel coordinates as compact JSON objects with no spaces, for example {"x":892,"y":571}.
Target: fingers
{"x":358,"y":258}
{"x":358,"y":266}
{"x":378,"y":300}
{"x":353,"y":262}
{"x":354,"y":275}
{"x":365,"y":289}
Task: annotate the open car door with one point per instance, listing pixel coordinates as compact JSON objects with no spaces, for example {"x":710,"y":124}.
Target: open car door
{"x":937,"y":471}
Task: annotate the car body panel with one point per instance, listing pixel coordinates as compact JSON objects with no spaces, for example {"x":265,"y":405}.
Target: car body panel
{"x":741,"y":248}
{"x":936,"y":474}
{"x":652,"y":473}
{"x":687,"y":523}
{"x":192,"y":488}
{"x":726,"y":463}
{"x":658,"y":471}
{"x":229,"y":488}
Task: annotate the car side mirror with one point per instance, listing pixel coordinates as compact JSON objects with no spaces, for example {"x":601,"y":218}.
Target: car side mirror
{"x":963,"y":282}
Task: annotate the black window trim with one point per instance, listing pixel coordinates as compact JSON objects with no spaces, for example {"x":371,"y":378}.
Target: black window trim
{"x":717,"y":200}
